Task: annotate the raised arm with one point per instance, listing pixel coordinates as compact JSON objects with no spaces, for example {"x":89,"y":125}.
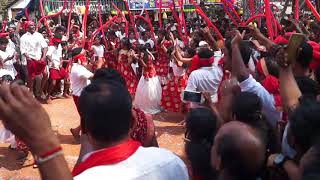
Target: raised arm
{"x":289,"y":89}
{"x":238,"y":67}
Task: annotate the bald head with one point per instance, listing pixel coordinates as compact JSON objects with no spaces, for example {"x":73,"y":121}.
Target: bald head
{"x":238,"y":151}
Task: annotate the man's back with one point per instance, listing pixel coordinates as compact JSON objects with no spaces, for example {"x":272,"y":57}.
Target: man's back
{"x":144,"y":164}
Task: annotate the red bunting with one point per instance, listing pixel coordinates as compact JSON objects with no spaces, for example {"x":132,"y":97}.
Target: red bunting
{"x":69,"y":18}
{"x":313,"y":9}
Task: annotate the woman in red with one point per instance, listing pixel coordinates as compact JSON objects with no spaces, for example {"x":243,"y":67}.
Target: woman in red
{"x":125,"y":58}
{"x":162,"y":64}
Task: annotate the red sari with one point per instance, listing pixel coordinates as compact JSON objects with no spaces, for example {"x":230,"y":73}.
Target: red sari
{"x":127,"y":72}
{"x":162,"y":64}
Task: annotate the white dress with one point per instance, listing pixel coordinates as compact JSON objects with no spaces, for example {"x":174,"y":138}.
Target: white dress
{"x":148,"y":94}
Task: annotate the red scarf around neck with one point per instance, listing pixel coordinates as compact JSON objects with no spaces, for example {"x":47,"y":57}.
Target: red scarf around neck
{"x":108,"y":156}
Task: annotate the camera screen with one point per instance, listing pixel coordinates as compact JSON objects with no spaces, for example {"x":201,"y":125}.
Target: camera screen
{"x":192,"y":96}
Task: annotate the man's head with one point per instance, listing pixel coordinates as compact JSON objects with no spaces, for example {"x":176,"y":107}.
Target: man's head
{"x":60,"y":30}
{"x":238,"y":152}
{"x":31,"y":27}
{"x":107,"y":75}
{"x":245,"y":51}
{"x":3,"y":43}
{"x":304,"y":58}
{"x":106,"y":111}
{"x":304,"y":125}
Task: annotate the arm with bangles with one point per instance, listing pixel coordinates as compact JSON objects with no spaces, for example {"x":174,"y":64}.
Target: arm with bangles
{"x":26,"y":118}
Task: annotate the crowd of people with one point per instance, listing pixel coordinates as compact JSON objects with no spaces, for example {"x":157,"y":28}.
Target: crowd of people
{"x":258,"y":118}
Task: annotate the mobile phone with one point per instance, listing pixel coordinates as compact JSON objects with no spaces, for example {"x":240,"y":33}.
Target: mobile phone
{"x":295,"y":41}
{"x":192,"y":96}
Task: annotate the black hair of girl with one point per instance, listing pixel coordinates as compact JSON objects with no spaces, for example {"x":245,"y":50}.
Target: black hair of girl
{"x":201,"y":124}
{"x":126,"y":42}
{"x":145,"y":57}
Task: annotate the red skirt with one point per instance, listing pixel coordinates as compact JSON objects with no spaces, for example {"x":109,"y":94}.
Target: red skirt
{"x":162,"y":68}
{"x":58,"y":74}
{"x":35,"y":68}
{"x":128,"y":74}
{"x":171,"y":93}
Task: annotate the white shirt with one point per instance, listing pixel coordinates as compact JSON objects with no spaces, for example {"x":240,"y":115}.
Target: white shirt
{"x":56,"y":55}
{"x":8,"y":65}
{"x":149,"y":41}
{"x":79,"y":76}
{"x":11,"y":49}
{"x":98,"y":50}
{"x":32,"y":44}
{"x":205,"y":79}
{"x":145,"y":164}
{"x":268,"y":103}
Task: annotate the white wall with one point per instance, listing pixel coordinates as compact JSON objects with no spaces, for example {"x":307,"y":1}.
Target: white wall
{"x":21,"y":4}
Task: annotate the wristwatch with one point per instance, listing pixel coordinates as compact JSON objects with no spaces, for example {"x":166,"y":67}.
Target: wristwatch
{"x":280,"y":160}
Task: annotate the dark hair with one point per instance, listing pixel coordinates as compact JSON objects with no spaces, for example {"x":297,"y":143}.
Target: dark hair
{"x":245,"y":50}
{"x":201,"y":124}
{"x":76,"y":51}
{"x":205,"y":53}
{"x":107,"y":75}
{"x":272,"y":66}
{"x":126,"y":42}
{"x":307,"y":86}
{"x":305,"y":56}
{"x":317,"y":75}
{"x":6,"y":78}
{"x":247,"y":107}
{"x":60,"y":28}
{"x":305,"y":124}
{"x":106,"y":111}
{"x":311,"y":169}
{"x":4,"y":40}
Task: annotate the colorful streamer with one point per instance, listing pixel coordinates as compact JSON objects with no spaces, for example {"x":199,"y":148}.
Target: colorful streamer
{"x":208,"y":21}
{"x":56,"y":14}
{"x":123,"y":18}
{"x":131,"y":18}
{"x":69,"y":18}
{"x":101,"y":23}
{"x":251,"y":6}
{"x":160,"y":15}
{"x":185,"y":39}
{"x":230,"y":16}
{"x":84,"y":23}
{"x":313,"y":9}
{"x":296,"y":10}
{"x":45,"y":20}
{"x":269,"y":18}
{"x":103,"y":27}
{"x":178,"y":21}
{"x":151,"y":28}
{"x":253,"y":18}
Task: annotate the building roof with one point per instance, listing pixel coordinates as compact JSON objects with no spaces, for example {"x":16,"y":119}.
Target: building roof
{"x":10,"y":3}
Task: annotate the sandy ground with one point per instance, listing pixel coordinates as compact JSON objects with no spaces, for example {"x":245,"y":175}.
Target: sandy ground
{"x":63,"y":117}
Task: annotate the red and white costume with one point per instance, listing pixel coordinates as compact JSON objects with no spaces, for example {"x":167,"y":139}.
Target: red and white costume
{"x":125,"y":69}
{"x":56,"y":71}
{"x":148,"y":95}
{"x":162,"y":63}
{"x":171,"y":92}
{"x":32,"y":45}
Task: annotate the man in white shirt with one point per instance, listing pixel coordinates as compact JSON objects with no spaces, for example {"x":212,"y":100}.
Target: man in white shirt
{"x":54,"y":56}
{"x":6,"y":57}
{"x":79,"y":78}
{"x":207,"y":78}
{"x":106,"y":107}
{"x":34,"y":49}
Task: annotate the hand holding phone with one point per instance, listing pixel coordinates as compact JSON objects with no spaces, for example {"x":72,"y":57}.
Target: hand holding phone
{"x":292,"y":49}
{"x":192,"y":96}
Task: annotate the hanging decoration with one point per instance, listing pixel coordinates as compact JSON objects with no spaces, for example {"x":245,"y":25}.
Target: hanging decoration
{"x":313,"y":9}
{"x":84,"y":23}
{"x":69,"y":18}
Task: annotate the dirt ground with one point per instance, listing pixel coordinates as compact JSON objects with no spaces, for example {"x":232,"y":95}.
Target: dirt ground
{"x":63,"y":117}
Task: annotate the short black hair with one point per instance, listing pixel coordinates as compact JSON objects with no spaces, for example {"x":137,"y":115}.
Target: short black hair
{"x":305,"y":56}
{"x":76,"y":51}
{"x":308,"y":87}
{"x":107,"y":75}
{"x":272,"y":66}
{"x":305,"y":124}
{"x":4,"y":40}
{"x":106,"y":111}
{"x":205,"y":53}
{"x":201,"y":124}
{"x":247,"y":107}
{"x":245,"y":50}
